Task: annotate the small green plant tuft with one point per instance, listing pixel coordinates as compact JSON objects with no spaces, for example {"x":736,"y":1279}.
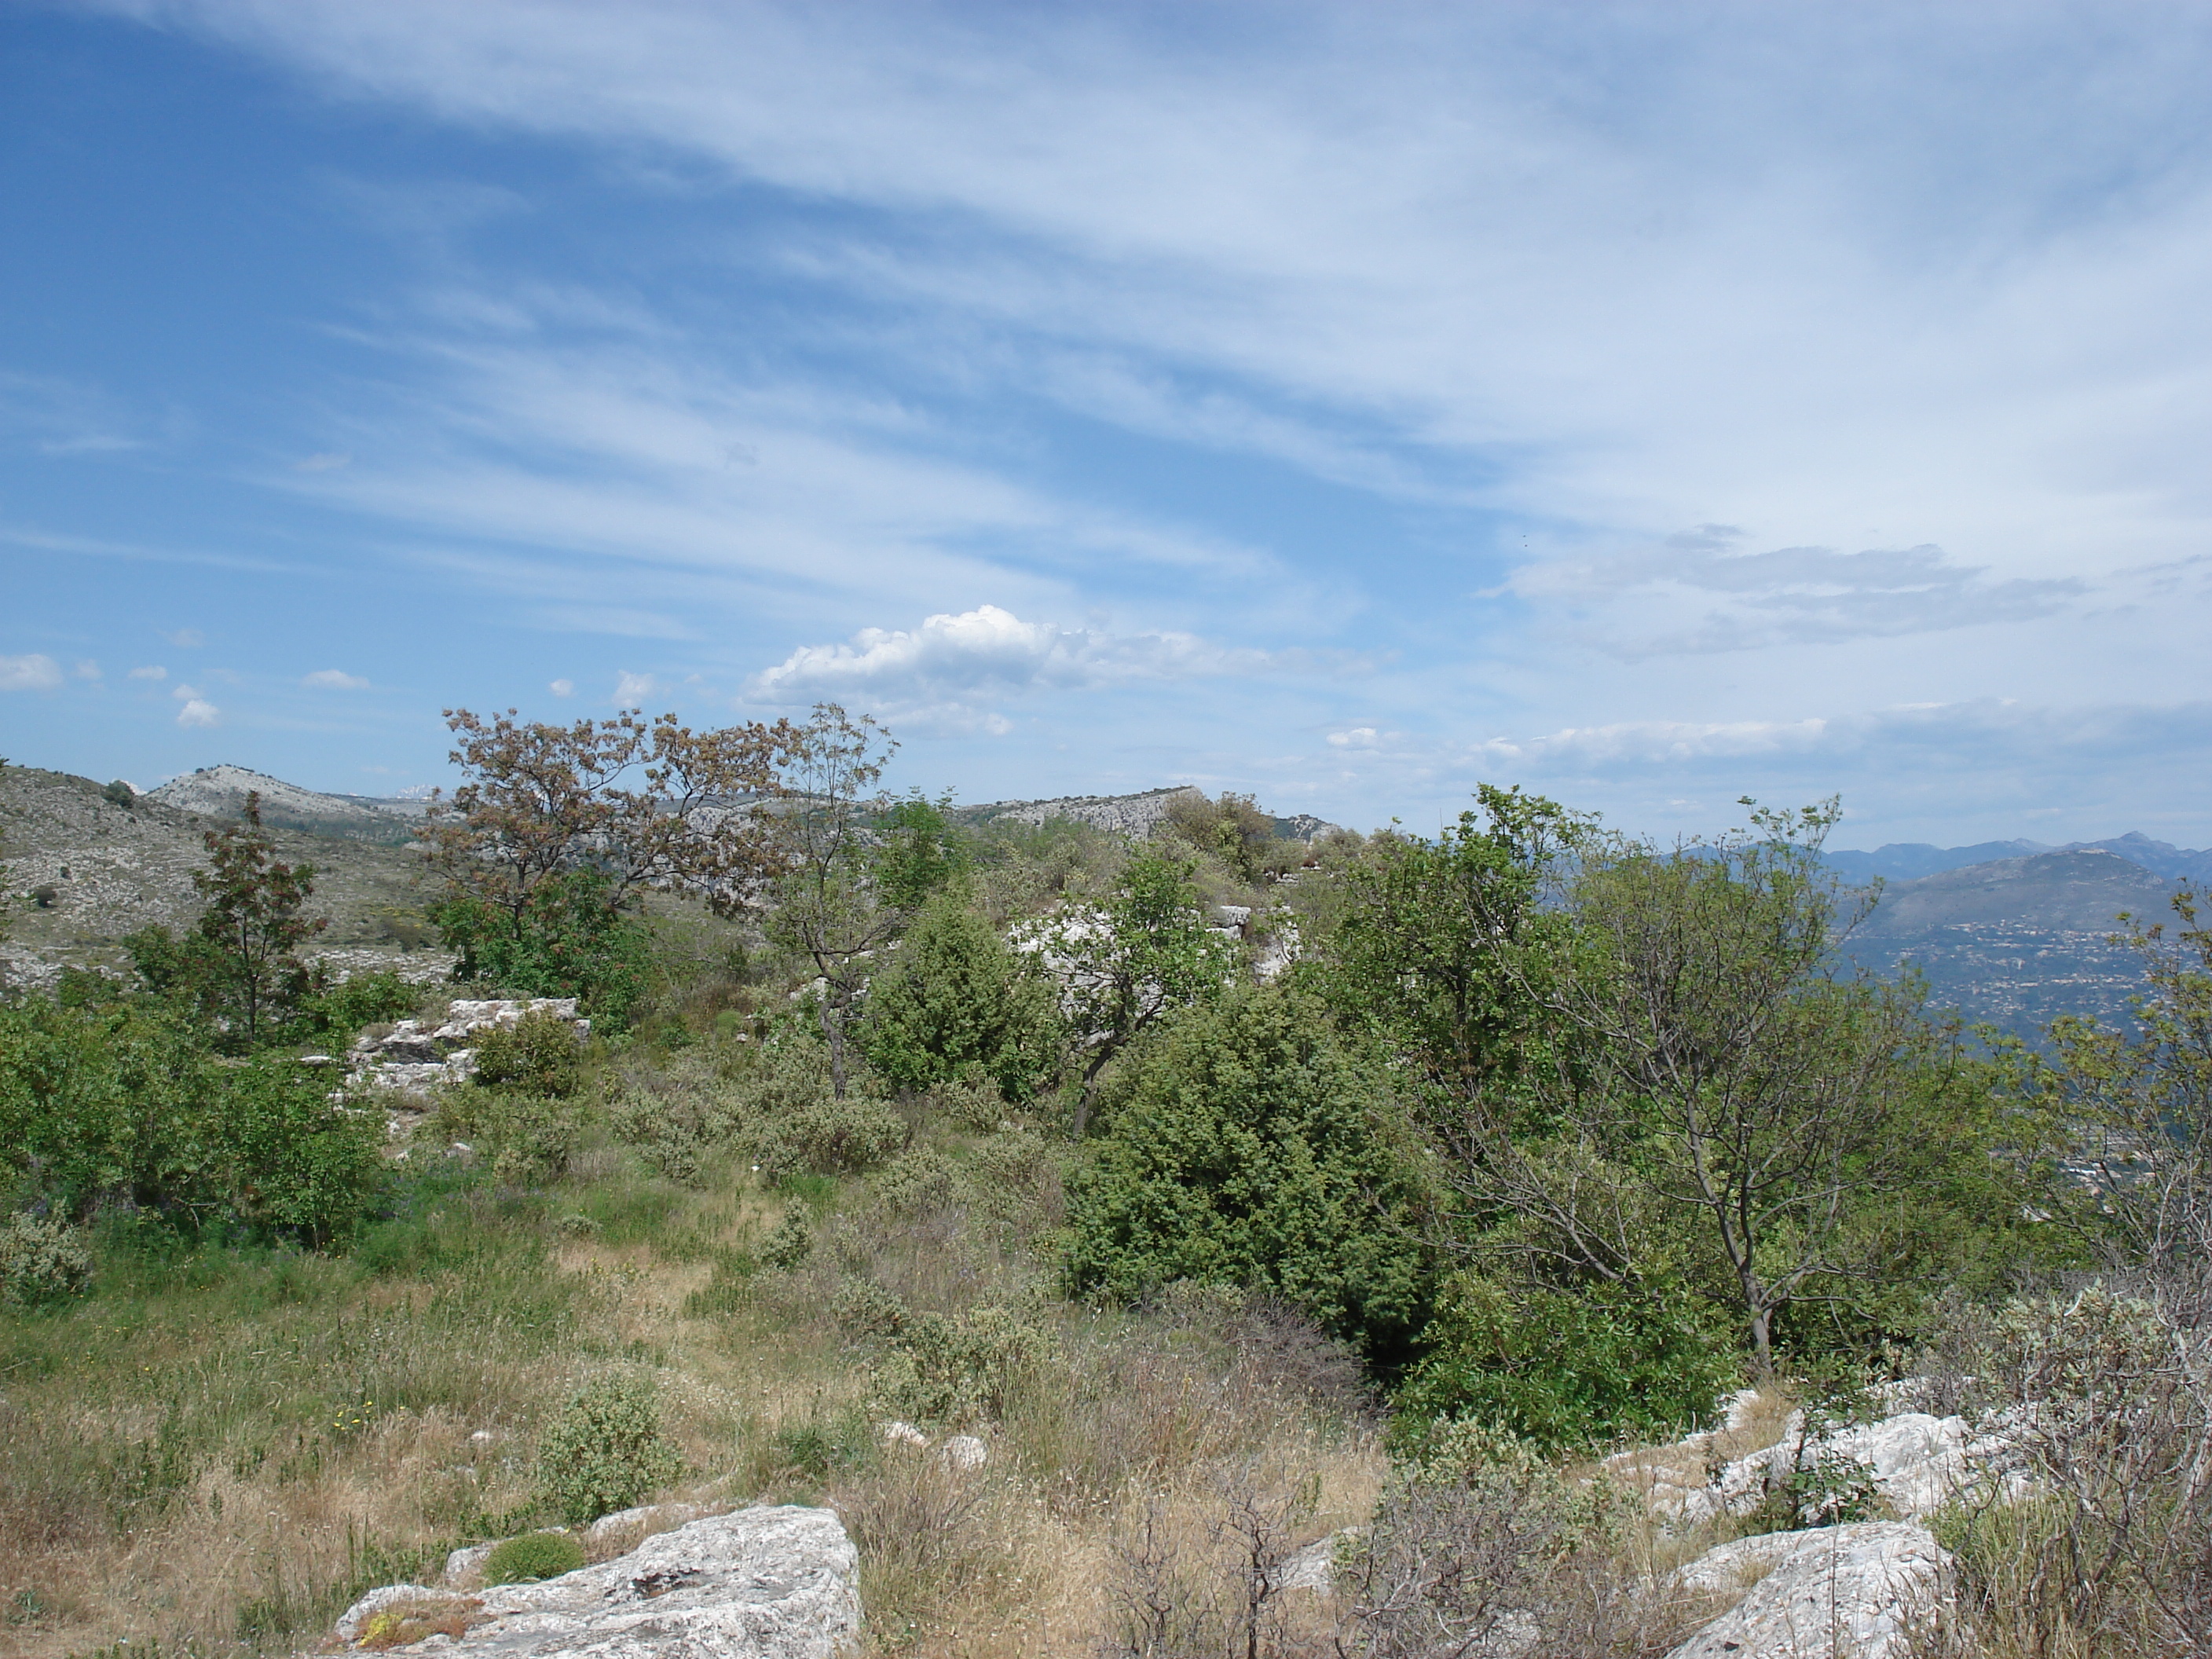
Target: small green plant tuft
{"x":606,"y":1450}
{"x":534,"y":1556}
{"x":792,"y":1242}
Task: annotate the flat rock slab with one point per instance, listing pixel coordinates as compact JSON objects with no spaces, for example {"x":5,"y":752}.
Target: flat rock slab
{"x":1864,"y":1591}
{"x":757,"y":1583}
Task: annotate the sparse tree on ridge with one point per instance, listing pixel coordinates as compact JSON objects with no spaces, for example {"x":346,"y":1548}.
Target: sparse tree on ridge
{"x":829,"y":905}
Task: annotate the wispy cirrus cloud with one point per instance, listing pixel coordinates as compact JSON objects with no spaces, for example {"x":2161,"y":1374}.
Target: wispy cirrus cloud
{"x":335,"y":679}
{"x":1697,"y":593}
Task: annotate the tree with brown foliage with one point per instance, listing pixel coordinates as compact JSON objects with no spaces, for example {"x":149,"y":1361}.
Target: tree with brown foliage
{"x":560,"y":829}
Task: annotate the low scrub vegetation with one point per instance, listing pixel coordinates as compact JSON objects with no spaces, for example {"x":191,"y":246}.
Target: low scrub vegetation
{"x":1456,"y":1164}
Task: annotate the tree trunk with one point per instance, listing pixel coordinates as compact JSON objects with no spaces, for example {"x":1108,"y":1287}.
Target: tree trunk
{"x":1762,"y":1343}
{"x":833,"y":1028}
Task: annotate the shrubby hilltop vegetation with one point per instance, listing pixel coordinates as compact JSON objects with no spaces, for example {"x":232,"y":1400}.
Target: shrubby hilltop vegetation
{"x":1155,"y":1227}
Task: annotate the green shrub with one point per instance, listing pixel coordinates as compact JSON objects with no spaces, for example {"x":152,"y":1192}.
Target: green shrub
{"x":568,"y":941}
{"x":1560,"y":1369}
{"x":120,"y":1105}
{"x":42,"y":1262}
{"x":538,"y":1055}
{"x":828,"y":1136}
{"x":956,"y":1371}
{"x":364,"y":1000}
{"x":534,"y":1556}
{"x":917,"y":1180}
{"x":528,"y":1138}
{"x":958,"y":1003}
{"x":678,"y":1118}
{"x":1247,"y":1147}
{"x":792,"y":1242}
{"x":606,"y":1450}
{"x":290,"y":1160}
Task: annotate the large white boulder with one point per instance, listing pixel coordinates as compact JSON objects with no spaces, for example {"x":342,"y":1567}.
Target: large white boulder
{"x":1865,"y":1591}
{"x":757,"y":1583}
{"x":1916,"y":1463}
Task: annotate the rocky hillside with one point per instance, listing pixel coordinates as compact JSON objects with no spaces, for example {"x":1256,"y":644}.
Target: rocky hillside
{"x":220,"y":791}
{"x":82,"y":871}
{"x":2019,"y":941}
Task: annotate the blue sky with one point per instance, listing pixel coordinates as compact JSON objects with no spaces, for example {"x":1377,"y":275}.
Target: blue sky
{"x":1649,"y":405}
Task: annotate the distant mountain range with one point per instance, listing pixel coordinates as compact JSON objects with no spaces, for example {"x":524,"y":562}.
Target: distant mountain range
{"x":1912,"y":859}
{"x":2012,"y":932}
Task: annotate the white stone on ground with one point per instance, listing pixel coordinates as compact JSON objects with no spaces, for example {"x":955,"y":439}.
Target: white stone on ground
{"x":965,"y":1451}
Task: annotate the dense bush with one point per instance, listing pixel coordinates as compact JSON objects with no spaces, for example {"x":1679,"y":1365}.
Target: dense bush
{"x":529,"y":1139}
{"x":532,"y":1557}
{"x":120,"y":1104}
{"x":606,"y":1450}
{"x":284,"y":1158}
{"x":1562,"y":1368}
{"x":364,"y":1000}
{"x":1248,"y":1147}
{"x":538,"y":1055}
{"x":956,"y":1369}
{"x":42,"y":1262}
{"x":567,"y":939}
{"x":773,"y":1106}
{"x":958,"y":1002}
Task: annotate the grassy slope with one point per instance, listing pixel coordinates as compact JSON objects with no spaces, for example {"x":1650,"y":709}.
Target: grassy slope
{"x":225,"y":1446}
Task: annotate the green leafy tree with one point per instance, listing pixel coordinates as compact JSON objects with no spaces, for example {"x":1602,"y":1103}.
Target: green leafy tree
{"x":1232,"y":830}
{"x":240,"y":964}
{"x":1440,"y":946}
{"x":1126,"y":965}
{"x":919,"y":852}
{"x":1249,"y":1147}
{"x":1714,"y":1072}
{"x":571,"y":938}
{"x":958,"y":1002}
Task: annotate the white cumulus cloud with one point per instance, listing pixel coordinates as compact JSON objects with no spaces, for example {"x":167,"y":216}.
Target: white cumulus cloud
{"x":988,"y":651}
{"x":31,"y":673}
{"x":632,"y":691}
{"x":335,"y":679}
{"x":562,"y":687}
{"x":198,"y":712}
{"x":150,"y":671}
